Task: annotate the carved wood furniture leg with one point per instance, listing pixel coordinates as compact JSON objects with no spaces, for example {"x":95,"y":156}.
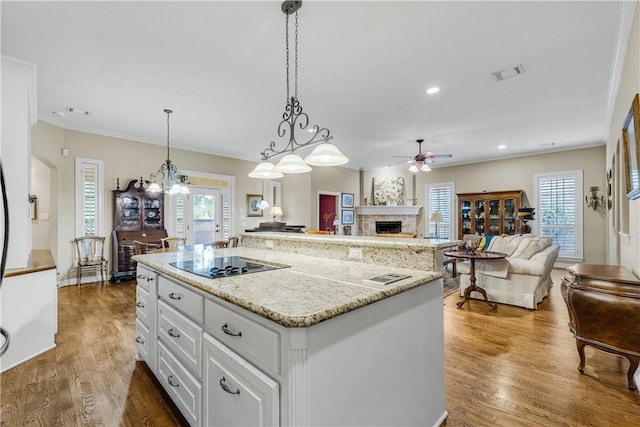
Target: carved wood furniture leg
{"x":486,"y":299}
{"x":467,"y":295}
{"x":633,"y":366}
{"x":580,"y":345}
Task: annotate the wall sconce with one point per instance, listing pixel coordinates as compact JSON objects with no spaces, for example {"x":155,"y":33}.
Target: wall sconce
{"x":594,"y":201}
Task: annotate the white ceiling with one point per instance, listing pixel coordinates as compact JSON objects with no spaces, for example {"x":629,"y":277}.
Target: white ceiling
{"x":364,"y":69}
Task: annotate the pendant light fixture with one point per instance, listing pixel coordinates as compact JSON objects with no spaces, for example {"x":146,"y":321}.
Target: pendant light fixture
{"x":175,"y":180}
{"x":293,"y":119}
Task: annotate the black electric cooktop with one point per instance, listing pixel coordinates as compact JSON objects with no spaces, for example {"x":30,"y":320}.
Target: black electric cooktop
{"x":225,"y":267}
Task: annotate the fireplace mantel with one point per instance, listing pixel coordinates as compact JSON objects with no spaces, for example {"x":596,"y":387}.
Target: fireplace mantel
{"x":388,"y":210}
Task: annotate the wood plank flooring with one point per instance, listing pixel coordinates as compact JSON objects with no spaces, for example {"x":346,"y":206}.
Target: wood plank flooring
{"x":504,"y":367}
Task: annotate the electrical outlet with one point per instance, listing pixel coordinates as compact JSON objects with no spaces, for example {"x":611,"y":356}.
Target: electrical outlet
{"x":269,"y":244}
{"x":355,"y":253}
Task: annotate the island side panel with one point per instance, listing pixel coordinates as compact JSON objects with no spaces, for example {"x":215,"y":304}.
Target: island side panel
{"x":406,"y":253}
{"x":380,"y":365}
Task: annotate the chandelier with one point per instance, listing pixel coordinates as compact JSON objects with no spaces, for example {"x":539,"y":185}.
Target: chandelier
{"x":175,"y":180}
{"x":293,"y":118}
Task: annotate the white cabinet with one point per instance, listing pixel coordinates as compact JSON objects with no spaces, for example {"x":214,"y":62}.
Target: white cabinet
{"x":181,"y":335}
{"x":235,"y":392}
{"x":146,"y":308}
{"x":183,"y":387}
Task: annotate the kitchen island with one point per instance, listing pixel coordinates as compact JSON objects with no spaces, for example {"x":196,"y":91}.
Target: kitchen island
{"x":310,"y":342}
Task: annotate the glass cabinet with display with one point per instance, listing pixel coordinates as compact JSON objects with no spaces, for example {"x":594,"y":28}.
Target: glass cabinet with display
{"x":138,"y":216}
{"x":488,"y":213}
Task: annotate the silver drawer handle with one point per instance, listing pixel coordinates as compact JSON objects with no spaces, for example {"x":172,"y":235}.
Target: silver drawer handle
{"x":171,"y":383}
{"x":139,"y":304}
{"x":173,"y":295}
{"x":173,"y":333}
{"x":141,"y":276}
{"x":226,"y":330}
{"x":140,"y":340}
{"x":149,"y":279}
{"x":226,"y":388}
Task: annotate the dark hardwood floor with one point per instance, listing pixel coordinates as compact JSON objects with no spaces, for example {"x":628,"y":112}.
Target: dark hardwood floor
{"x":504,"y":367}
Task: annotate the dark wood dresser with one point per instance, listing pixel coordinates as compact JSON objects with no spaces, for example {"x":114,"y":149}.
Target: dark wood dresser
{"x":604,"y":311}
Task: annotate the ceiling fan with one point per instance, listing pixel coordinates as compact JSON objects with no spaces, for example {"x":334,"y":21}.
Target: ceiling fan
{"x":419,"y":163}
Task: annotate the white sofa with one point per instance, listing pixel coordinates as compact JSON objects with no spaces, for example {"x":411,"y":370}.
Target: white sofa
{"x":522,"y":279}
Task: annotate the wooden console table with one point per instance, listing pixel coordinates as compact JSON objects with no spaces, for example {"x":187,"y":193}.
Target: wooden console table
{"x":604,"y":311}
{"x":472,"y":256}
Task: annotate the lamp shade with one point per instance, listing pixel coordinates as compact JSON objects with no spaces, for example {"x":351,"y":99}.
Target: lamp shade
{"x":265,"y":170}
{"x":263,"y":204}
{"x":436,"y":217}
{"x":425,"y":168}
{"x":326,"y":155}
{"x":292,"y":163}
{"x":276,"y":211}
{"x":527,"y":214}
{"x":154,"y":188}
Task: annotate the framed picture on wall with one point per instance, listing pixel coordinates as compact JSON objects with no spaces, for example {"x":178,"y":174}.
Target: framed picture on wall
{"x":631,"y":146}
{"x":253,"y":200}
{"x":347,"y":200}
{"x":347,"y":216}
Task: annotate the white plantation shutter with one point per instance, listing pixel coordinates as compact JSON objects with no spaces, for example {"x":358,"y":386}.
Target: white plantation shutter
{"x":439,"y":198}
{"x":225,"y":228}
{"x":89,"y":189}
{"x":180,"y":215}
{"x":559,"y":211}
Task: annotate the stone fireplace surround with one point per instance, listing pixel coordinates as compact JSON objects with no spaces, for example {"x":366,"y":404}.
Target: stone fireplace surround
{"x":368,"y":215}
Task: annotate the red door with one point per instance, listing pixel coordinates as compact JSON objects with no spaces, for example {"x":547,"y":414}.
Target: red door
{"x":327,"y":211}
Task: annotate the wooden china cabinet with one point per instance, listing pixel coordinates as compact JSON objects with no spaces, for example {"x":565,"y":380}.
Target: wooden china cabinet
{"x":138,"y":215}
{"x":489,"y":213}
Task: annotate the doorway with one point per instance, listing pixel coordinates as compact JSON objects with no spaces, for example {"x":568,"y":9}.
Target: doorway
{"x":328,"y":211}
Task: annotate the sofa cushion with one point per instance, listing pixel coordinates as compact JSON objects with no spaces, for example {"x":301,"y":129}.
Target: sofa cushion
{"x":507,"y":245}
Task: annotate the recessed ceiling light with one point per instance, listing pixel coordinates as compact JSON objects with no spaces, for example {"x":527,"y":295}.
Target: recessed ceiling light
{"x":433,"y":90}
{"x":502,"y":147}
{"x":77,"y":111}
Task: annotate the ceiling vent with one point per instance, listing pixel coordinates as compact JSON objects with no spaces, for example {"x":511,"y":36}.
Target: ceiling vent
{"x":508,"y":73}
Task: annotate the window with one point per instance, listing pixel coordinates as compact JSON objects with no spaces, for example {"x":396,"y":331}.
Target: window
{"x":439,"y":198}
{"x":559,"y":211}
{"x":89,"y":197}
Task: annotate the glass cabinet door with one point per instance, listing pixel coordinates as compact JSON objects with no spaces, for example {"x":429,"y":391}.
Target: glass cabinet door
{"x":510,"y":214}
{"x":466,"y":217}
{"x":494,"y":217}
{"x":479,"y":216}
{"x":129,"y":212}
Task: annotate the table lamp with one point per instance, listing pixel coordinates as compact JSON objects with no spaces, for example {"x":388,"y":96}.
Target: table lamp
{"x":524,"y":215}
{"x":436,"y":217}
{"x":276,"y":212}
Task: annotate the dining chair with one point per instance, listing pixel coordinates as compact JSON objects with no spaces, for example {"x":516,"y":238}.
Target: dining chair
{"x":220,"y":244}
{"x":172,"y":242}
{"x":319,"y":232}
{"x":90,"y":250}
{"x":140,"y":248}
{"x":233,"y":242}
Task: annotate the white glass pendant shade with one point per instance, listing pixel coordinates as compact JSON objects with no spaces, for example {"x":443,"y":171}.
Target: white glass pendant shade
{"x":154,"y":188}
{"x":413,"y":168}
{"x":175,"y":189}
{"x":263,"y":204}
{"x":292,"y":163}
{"x":425,"y":168}
{"x":184,"y":189}
{"x":265,"y":170}
{"x":326,"y":155}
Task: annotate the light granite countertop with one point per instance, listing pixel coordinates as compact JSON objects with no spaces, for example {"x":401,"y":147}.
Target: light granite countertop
{"x":311,"y":290}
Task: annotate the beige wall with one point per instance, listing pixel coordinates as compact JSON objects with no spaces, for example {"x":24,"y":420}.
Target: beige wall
{"x":128,"y":160}
{"x":623,"y":225}
{"x":515,"y":174}
{"x":40,"y":187}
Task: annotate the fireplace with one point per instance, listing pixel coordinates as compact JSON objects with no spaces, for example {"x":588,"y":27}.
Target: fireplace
{"x":388,"y":227}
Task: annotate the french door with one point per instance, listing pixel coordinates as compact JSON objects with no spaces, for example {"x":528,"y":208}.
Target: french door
{"x":203,"y":216}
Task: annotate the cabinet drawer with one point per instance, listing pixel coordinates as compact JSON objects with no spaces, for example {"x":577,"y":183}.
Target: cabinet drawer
{"x":181,"y":336}
{"x":142,"y":305}
{"x":185,"y":300}
{"x":235,"y":392}
{"x":243,"y":335}
{"x":185,"y":390}
{"x":144,"y":277}
{"x":142,"y":341}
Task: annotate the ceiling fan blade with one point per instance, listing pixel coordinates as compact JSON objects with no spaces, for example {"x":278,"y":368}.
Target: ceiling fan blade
{"x":441,"y":156}
{"x":404,"y":157}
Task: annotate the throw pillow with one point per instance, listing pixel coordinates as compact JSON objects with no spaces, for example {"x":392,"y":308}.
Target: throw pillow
{"x":524,"y":244}
{"x":482,"y":244}
{"x":504,"y":244}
